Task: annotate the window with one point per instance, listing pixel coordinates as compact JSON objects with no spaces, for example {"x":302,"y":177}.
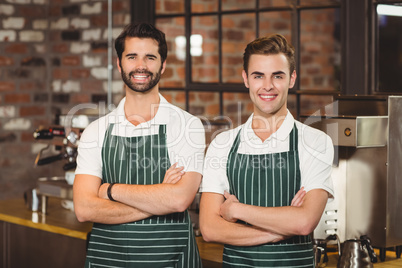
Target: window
{"x":205,"y":78}
{"x":389,"y":47}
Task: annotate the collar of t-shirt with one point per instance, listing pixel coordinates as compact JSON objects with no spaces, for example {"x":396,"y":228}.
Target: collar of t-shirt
{"x":161,"y":117}
{"x":281,"y":134}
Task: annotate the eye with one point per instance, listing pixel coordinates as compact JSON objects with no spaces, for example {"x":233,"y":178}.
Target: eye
{"x":257,"y":76}
{"x":278,"y":77}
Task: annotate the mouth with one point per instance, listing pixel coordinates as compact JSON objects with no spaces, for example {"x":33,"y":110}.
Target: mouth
{"x":266,"y":97}
{"x":140,"y":77}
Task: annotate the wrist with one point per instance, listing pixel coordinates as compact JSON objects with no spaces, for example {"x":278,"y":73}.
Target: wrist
{"x":109,"y":192}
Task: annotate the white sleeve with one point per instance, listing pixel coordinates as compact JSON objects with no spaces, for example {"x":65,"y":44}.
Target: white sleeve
{"x":189,"y":146}
{"x":214,"y":178}
{"x":316,"y":157}
{"x":89,"y":159}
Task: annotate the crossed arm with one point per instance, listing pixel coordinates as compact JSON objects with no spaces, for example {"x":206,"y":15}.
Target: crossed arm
{"x":219,"y":213}
{"x":134,"y":202}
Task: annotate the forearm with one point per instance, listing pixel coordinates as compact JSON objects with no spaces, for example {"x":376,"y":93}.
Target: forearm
{"x":216,"y":229}
{"x":159,"y":199}
{"x":287,"y":221}
{"x":107,"y":212}
{"x":89,"y":207}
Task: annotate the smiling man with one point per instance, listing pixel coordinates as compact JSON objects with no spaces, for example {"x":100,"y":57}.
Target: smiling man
{"x":125,"y":181}
{"x":266,"y":182}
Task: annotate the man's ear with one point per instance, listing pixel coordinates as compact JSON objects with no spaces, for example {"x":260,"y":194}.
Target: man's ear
{"x":245,"y":78}
{"x":292,"y":79}
{"x":163,"y":67}
{"x":118,"y":64}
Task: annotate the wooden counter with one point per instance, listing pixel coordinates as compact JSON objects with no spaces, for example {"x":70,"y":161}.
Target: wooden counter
{"x":58,"y":220}
{"x":59,"y":225}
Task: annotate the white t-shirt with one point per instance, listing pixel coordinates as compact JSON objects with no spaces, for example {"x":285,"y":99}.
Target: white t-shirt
{"x":316,"y":154}
{"x":185,"y":137}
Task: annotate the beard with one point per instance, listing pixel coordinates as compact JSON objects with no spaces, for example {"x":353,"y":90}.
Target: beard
{"x":141,"y":87}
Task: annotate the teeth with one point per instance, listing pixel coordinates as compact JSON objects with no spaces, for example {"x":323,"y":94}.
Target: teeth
{"x":267,"y":97}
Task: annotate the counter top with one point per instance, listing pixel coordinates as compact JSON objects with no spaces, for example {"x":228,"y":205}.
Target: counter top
{"x":62,"y":221}
{"x":58,"y":219}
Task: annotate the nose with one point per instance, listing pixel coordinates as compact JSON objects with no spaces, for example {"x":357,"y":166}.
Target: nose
{"x":140,"y":64}
{"x":268,"y":83}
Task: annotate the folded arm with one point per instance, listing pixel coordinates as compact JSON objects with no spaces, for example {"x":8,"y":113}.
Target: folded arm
{"x":157,"y":199}
{"x":216,"y":229}
{"x":287,"y":221}
{"x":89,"y":206}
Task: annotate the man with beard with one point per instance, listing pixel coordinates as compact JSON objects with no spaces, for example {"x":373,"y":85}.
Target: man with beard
{"x":125,"y":181}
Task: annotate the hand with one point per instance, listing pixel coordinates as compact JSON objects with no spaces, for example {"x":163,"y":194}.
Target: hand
{"x":173,"y":174}
{"x":297,"y":201}
{"x":226,"y":210}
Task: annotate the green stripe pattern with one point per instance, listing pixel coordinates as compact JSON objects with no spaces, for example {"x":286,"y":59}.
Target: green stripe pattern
{"x":267,"y":180}
{"x":159,"y":241}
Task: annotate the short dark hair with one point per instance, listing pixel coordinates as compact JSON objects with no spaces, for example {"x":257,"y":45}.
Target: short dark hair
{"x":141,"y":30}
{"x":270,"y":45}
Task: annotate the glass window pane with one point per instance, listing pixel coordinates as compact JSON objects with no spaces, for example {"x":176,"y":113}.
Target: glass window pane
{"x":168,"y":6}
{"x":237,"y":31}
{"x":198,"y":6}
{"x":389,"y":48}
{"x":175,"y":74}
{"x":175,"y":97}
{"x":204,"y":104}
{"x":237,"y":107}
{"x":320,"y":49}
{"x":314,"y":104}
{"x":274,"y":3}
{"x":237,"y":4}
{"x":276,"y":22}
{"x":205,"y":49}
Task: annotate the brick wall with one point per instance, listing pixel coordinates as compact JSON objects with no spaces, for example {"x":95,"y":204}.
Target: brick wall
{"x":53,"y":56}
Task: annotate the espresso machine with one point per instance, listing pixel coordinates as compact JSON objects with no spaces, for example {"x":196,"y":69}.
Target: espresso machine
{"x":62,"y":139}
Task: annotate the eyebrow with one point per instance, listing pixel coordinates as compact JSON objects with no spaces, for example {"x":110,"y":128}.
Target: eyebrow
{"x":278,"y":72}
{"x":135,"y":54}
{"x":257,"y":73}
{"x":274,"y":73}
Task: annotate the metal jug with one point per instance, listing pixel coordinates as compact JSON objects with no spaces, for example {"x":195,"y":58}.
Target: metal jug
{"x":32,"y":201}
{"x":357,"y":253}
{"x":320,"y":250}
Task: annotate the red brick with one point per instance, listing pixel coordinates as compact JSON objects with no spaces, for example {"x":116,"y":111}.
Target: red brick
{"x":174,"y":7}
{"x":60,"y":48}
{"x":32,"y":110}
{"x":5,"y":61}
{"x":71,"y":60}
{"x":92,"y":86}
{"x":17,"y":98}
{"x":27,"y":137}
{"x":16,"y":49}
{"x":80,"y":98}
{"x":32,"y":86}
{"x":61,"y":73}
{"x":80,"y":73}
{"x":207,"y":96}
{"x":99,"y":21}
{"x":7,"y":86}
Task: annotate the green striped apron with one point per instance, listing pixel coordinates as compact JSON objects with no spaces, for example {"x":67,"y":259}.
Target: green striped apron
{"x":268,"y":180}
{"x":159,"y":241}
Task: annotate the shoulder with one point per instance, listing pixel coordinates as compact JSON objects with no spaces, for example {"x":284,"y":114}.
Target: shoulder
{"x":225,"y":139}
{"x":98,"y":127}
{"x":315,"y":142}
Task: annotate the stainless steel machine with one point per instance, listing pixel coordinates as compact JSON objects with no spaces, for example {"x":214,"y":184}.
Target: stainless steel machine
{"x":367,"y":172}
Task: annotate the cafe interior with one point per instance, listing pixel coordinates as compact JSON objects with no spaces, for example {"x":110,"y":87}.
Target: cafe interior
{"x":58,"y":74}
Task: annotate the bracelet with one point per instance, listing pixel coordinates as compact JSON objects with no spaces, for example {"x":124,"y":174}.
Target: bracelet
{"x":109,"y":191}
